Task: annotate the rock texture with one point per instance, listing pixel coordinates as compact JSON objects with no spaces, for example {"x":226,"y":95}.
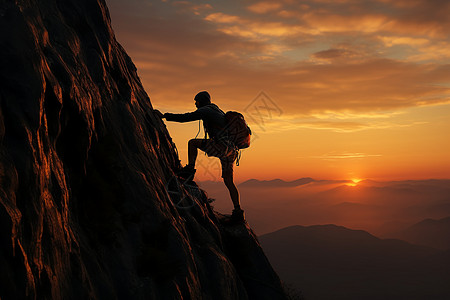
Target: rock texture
{"x":89,"y":205}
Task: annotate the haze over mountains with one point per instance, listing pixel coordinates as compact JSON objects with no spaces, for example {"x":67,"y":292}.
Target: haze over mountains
{"x":381,"y":208}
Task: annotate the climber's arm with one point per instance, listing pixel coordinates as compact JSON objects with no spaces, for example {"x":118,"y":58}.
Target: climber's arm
{"x":187,"y":117}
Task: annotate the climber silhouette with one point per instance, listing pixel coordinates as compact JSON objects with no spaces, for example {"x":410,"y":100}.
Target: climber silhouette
{"x":218,"y":144}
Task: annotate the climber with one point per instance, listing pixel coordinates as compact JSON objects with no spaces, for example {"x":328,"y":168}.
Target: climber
{"x":217,"y":145}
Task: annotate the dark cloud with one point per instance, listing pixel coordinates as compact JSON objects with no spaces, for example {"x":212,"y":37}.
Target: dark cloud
{"x":335,"y":54}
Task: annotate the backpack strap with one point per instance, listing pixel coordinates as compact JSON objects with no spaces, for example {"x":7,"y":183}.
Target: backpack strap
{"x":199,"y":121}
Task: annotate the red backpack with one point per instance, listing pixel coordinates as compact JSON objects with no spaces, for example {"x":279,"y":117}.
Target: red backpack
{"x":238,"y":130}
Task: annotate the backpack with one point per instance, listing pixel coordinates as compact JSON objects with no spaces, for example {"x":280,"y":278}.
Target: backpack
{"x":238,"y":130}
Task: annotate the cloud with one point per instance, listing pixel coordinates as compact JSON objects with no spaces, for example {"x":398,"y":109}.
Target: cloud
{"x":331,"y":54}
{"x":340,"y":124}
{"x":415,"y":18}
{"x":339,"y":156}
{"x":333,"y":23}
{"x":333,"y":126}
{"x":390,"y":41}
{"x":369,"y":86}
{"x":340,"y":60}
{"x":339,"y":55}
{"x":249,"y":28}
{"x":264,"y":7}
{"x":197,"y":9}
{"x":347,"y":115}
{"x":223,"y":18}
{"x":439,"y":51}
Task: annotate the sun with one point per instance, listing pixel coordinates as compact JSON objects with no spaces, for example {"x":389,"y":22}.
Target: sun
{"x":354,"y":182}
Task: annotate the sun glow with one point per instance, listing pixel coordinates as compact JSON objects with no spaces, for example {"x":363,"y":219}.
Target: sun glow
{"x":354,"y":182}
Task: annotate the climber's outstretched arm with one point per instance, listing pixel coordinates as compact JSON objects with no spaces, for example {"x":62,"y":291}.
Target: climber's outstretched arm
{"x":187,"y":117}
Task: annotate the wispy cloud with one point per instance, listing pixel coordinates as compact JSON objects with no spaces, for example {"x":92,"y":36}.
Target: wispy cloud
{"x":328,"y":123}
{"x":345,"y":156}
{"x":390,"y":41}
{"x":264,"y":7}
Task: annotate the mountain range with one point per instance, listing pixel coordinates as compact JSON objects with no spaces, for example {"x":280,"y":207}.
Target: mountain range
{"x":282,"y":183}
{"x":429,"y":232}
{"x":334,"y":262}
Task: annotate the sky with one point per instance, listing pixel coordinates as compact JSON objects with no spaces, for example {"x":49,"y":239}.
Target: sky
{"x":339,"y":89}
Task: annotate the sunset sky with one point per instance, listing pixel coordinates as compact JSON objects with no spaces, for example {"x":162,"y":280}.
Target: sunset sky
{"x":338,"y":89}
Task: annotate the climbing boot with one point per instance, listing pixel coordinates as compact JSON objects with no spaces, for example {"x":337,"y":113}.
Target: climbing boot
{"x":187,"y":172}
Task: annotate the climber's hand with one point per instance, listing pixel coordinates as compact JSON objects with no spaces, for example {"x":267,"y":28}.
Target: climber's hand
{"x":158,"y":113}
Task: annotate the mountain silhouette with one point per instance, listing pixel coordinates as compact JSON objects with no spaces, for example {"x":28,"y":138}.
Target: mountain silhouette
{"x":90,"y":207}
{"x":334,"y":262}
{"x":275,"y":183}
{"x":255,"y":183}
{"x":429,"y":232}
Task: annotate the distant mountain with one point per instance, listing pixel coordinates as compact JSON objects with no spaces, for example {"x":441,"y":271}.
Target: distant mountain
{"x":275,"y":182}
{"x":333,"y":262}
{"x":435,"y":183}
{"x":283,"y":183}
{"x":432,"y":185}
{"x":429,"y":232}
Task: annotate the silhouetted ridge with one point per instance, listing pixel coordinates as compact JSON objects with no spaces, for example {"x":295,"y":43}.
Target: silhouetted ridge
{"x":89,"y":205}
{"x":334,"y":262}
{"x":275,"y":183}
{"x":429,"y":232}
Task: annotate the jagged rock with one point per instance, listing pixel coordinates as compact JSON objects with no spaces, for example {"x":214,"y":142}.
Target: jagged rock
{"x":89,"y":205}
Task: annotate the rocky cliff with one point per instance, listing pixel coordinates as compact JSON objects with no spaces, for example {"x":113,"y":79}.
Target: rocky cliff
{"x":89,"y":205}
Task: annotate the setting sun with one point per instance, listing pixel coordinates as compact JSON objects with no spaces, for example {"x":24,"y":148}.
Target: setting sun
{"x":354,"y":182}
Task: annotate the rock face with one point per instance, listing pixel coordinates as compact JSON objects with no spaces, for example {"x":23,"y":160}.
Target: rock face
{"x":89,"y":205}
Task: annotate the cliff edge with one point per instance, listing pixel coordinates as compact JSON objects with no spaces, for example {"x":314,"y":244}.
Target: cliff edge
{"x":89,"y":205}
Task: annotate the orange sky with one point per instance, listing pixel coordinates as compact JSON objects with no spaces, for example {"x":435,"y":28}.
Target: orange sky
{"x":332,"y":89}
